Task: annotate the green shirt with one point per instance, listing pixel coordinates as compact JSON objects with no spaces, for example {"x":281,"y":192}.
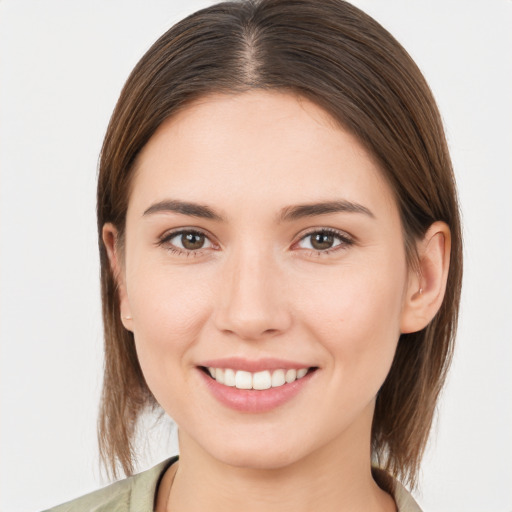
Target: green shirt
{"x":137,"y":494}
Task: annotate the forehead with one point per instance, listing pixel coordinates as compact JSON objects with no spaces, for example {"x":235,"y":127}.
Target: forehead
{"x":266,"y":147}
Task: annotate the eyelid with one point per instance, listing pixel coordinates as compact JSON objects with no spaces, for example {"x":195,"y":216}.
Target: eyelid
{"x":170,"y":234}
{"x":346,"y":240}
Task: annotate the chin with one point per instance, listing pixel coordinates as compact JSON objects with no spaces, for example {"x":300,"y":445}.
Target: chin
{"x":266,"y":459}
{"x":257,"y":450}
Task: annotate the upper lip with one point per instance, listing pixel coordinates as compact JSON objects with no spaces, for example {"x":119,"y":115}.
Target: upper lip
{"x":257,"y":365}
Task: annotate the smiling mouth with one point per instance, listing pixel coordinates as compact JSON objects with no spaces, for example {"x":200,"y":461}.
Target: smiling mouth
{"x":259,"y":381}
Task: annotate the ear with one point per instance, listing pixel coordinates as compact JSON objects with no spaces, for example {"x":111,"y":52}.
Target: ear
{"x":427,"y":282}
{"x":110,"y":236}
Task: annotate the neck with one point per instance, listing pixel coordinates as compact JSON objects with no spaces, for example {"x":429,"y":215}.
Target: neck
{"x":336,"y":477}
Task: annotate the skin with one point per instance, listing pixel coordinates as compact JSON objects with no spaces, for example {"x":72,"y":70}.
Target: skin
{"x":258,"y":288}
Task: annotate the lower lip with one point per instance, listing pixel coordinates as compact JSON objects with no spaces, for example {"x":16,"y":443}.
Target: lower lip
{"x":255,"y":401}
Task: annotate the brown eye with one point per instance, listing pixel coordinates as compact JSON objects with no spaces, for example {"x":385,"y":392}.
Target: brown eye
{"x":188,"y":241}
{"x":324,"y":240}
{"x":192,"y":241}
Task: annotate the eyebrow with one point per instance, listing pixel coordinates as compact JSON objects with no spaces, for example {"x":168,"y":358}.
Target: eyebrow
{"x":288,"y":213}
{"x":184,"y":208}
{"x":323,"y":208}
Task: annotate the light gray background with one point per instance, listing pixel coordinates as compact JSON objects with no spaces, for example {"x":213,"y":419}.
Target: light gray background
{"x":62,"y":65}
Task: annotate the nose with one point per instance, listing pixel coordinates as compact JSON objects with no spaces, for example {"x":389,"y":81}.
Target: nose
{"x":252,"y":301}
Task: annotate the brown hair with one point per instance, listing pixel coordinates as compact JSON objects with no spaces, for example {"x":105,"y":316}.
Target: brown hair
{"x":338,"y":57}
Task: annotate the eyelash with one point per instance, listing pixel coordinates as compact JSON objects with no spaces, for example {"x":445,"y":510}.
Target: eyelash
{"x":167,"y":237}
{"x":345,"y":241}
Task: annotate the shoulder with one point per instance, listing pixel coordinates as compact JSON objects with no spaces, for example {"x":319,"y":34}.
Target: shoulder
{"x":136,"y":493}
{"x":403,"y":498}
{"x":114,"y":498}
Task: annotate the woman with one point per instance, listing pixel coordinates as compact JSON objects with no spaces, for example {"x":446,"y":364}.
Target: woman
{"x":281,"y":263}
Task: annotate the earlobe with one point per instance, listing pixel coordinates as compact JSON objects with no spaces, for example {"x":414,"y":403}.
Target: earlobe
{"x":110,"y":236}
{"x":427,"y":284}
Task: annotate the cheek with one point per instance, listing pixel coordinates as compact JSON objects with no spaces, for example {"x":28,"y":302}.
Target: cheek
{"x":169,"y":310}
{"x":355,"y":313}
{"x":166,"y":308}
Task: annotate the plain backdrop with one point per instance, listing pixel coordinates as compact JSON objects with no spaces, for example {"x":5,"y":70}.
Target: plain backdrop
{"x":62,"y":65}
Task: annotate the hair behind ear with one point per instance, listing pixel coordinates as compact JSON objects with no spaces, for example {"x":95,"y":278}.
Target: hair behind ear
{"x":406,"y":402}
{"x":125,"y":393}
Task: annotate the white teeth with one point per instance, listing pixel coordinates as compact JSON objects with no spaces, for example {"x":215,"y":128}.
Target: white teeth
{"x":301,"y":373}
{"x":259,"y":380}
{"x":229,"y":377}
{"x":278,"y":378}
{"x":219,"y":375}
{"x":243,"y":380}
{"x":262,"y":380}
{"x":291,"y":375}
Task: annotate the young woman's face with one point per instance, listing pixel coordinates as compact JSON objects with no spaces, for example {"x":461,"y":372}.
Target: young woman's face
{"x":262,"y":240}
